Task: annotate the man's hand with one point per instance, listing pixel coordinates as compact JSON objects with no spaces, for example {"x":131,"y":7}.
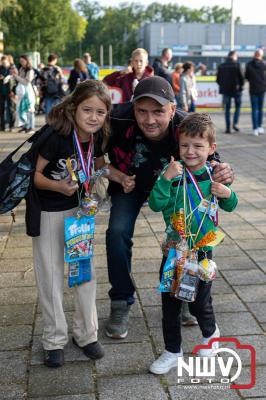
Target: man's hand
{"x":128,"y":183}
{"x":173,"y":170}
{"x":223,"y":173}
{"x":220,"y":190}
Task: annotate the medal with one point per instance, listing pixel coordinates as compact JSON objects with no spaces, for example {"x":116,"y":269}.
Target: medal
{"x":204,"y":205}
{"x":213,"y":209}
{"x":82,"y":177}
{"x":86,"y":164}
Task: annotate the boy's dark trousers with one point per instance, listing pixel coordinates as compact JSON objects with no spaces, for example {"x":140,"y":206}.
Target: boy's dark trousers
{"x":201,"y":308}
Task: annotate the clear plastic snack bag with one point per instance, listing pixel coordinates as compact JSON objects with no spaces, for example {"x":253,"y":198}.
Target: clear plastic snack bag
{"x":207,"y":270}
{"x":189,"y":282}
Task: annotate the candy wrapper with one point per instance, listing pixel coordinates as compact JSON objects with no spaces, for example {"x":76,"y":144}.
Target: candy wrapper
{"x":207,"y":270}
{"x":169,"y":270}
{"x":180,"y":262}
{"x":79,"y":272}
{"x":169,"y":244}
{"x":79,"y":234}
{"x":99,"y":187}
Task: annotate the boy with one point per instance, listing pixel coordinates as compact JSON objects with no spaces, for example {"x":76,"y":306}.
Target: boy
{"x":128,"y":82}
{"x":196,"y":143}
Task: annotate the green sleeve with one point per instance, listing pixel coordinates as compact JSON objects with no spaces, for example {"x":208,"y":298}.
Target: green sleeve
{"x":160,"y":194}
{"x":229,"y":204}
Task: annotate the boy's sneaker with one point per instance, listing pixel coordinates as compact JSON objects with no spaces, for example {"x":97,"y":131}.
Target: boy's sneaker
{"x":255,"y":132}
{"x":54,"y":358}
{"x":117,"y":324}
{"x":165,"y":362}
{"x":261,"y":130}
{"x":215,"y":345}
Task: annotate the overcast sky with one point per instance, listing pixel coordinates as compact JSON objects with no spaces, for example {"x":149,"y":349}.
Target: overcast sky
{"x":250,"y":12}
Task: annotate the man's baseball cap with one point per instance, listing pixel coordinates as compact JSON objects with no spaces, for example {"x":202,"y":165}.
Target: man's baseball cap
{"x":156,"y":88}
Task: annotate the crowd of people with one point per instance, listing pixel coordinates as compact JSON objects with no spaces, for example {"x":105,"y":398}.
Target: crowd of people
{"x":230,"y":79}
{"x":25,"y":90}
{"x":151,"y":139}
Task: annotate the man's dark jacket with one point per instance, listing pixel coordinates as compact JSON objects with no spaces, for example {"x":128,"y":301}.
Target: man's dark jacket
{"x":230,"y":78}
{"x":124,"y":141}
{"x":161,"y":70}
{"x":256,"y":75}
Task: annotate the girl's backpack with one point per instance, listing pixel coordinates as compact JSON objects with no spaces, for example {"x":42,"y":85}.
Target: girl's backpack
{"x":15,"y":176}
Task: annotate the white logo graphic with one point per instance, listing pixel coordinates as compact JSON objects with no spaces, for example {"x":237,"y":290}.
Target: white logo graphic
{"x":198,"y":367}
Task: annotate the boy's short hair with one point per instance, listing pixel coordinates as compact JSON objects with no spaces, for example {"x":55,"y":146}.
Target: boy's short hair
{"x":198,"y":124}
{"x":138,"y":52}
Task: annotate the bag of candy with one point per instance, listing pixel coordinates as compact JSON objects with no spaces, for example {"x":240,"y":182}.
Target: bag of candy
{"x":79,"y":272}
{"x":79,"y":234}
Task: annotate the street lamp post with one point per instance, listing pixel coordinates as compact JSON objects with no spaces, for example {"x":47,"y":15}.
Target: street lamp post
{"x":232,"y":30}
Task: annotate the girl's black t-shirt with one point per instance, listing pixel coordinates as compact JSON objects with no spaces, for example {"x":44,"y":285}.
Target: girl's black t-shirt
{"x":57,"y":149}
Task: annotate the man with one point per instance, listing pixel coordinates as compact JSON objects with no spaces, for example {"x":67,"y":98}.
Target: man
{"x":52,"y":81}
{"x":256,"y":75}
{"x":93,"y":68}
{"x":231,"y":80}
{"x":161,"y":65}
{"x":143,"y":140}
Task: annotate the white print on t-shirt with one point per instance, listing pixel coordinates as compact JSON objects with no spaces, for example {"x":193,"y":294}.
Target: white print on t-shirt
{"x":62,"y":172}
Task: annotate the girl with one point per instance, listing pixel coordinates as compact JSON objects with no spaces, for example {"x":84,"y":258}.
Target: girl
{"x":86,"y":111}
{"x":176,"y":75}
{"x":188,"y":90}
{"x":78,"y":74}
{"x":26,"y":98}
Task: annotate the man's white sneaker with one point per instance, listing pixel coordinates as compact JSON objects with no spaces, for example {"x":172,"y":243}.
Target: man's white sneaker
{"x":215,"y":345}
{"x":261,"y":130}
{"x":255,"y":132}
{"x":165,"y":362}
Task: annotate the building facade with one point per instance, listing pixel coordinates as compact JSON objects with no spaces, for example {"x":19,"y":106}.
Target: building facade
{"x":201,"y":43}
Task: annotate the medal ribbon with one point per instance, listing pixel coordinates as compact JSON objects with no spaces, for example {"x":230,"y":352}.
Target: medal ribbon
{"x":196,"y":213}
{"x":199,"y":192}
{"x":213,"y":199}
{"x":86,"y":165}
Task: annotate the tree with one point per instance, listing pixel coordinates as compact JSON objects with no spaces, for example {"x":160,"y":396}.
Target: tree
{"x":6,"y":5}
{"x":116,"y":26}
{"x":42,"y":25}
{"x":54,"y":26}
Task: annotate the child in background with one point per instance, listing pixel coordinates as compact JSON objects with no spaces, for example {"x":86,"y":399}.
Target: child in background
{"x":196,"y":143}
{"x":86,"y":111}
{"x":127,"y":82}
{"x":176,"y":75}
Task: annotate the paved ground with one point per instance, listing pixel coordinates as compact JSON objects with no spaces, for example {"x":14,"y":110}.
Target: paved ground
{"x":239,"y":297}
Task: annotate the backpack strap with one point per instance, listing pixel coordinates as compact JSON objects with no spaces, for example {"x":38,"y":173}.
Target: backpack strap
{"x":44,"y":132}
{"x":10,"y":155}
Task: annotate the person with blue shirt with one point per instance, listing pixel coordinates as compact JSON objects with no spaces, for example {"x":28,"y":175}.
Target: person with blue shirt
{"x":93,"y":68}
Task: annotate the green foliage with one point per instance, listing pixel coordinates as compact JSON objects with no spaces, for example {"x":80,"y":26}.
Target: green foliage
{"x":42,"y":25}
{"x":54,"y":26}
{"x":119,"y":25}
